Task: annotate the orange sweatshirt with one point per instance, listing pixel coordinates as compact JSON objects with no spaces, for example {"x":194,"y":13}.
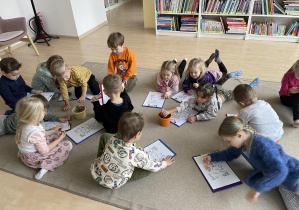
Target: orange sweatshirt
{"x":125,"y":64}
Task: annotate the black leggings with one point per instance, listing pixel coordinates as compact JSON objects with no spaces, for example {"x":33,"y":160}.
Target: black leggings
{"x":221,"y":66}
{"x":93,"y":86}
{"x":181,"y":67}
{"x":292,"y":101}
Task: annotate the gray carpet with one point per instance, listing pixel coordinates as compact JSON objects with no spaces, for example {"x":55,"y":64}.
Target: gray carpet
{"x":181,"y":186}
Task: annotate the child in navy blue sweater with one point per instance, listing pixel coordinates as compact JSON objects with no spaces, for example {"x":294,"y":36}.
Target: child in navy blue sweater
{"x":272,"y":167}
{"x":12,"y":85}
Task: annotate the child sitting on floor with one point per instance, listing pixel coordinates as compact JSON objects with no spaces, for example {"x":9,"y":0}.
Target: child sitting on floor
{"x":258,"y":114}
{"x":12,"y":85}
{"x":116,"y":106}
{"x":119,"y":161}
{"x":75,"y":76}
{"x":272,"y":167}
{"x":39,"y":148}
{"x":198,"y":72}
{"x":169,"y":77}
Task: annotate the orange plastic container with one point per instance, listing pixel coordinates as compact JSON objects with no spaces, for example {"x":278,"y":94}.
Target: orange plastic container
{"x":164,"y":121}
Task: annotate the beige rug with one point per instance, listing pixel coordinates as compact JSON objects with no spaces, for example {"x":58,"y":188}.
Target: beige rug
{"x":181,"y":186}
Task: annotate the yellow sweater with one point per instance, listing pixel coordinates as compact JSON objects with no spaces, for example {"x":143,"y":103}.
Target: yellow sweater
{"x":79,"y":77}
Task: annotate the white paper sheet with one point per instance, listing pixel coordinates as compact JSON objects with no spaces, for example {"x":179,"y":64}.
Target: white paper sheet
{"x":84,"y":130}
{"x":182,"y":96}
{"x":158,"y":150}
{"x":47,"y":95}
{"x":179,"y":118}
{"x":49,"y":125}
{"x":154,"y":99}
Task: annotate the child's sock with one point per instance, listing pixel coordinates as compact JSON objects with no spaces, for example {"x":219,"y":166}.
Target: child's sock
{"x":211,"y":58}
{"x":186,"y":59}
{"x":296,"y":124}
{"x":40,"y":174}
{"x":175,"y":61}
{"x":217,"y":58}
{"x":255,"y":82}
{"x":235,"y":73}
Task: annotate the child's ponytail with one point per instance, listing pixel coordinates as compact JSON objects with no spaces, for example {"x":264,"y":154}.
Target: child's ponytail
{"x":216,"y":91}
{"x":232,"y":125}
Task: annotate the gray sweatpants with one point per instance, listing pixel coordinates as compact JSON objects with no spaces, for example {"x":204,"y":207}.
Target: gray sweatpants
{"x":291,"y":199}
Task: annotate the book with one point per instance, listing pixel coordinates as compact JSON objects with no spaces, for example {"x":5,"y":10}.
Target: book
{"x":218,"y":175}
{"x":49,"y":125}
{"x":84,"y":130}
{"x":154,"y":99}
{"x":182,"y":97}
{"x":180,"y":118}
{"x":47,"y":95}
{"x":158,"y":150}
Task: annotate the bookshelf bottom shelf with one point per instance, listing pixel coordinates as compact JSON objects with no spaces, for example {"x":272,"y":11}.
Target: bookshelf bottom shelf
{"x":273,"y":38}
{"x":176,"y":33}
{"x":220,"y":35}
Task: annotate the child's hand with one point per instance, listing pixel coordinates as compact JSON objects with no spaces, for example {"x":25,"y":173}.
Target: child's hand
{"x":125,"y":81}
{"x":169,"y":160}
{"x":189,"y":92}
{"x":191,"y":119}
{"x":94,"y":98}
{"x":293,"y":90}
{"x":195,"y":85}
{"x":57,"y":128}
{"x":207,"y":159}
{"x":66,"y":107}
{"x":167,"y":89}
{"x":165,"y":95}
{"x":37,"y":91}
{"x":62,"y":135}
{"x":81,"y":99}
{"x":64,"y":119}
{"x":252,"y":195}
{"x":165,"y":112}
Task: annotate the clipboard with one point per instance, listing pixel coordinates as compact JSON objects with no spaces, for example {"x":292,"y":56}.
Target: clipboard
{"x":47,"y":95}
{"x":159,"y":150}
{"x":182,"y":97}
{"x":154,"y":100}
{"x":180,"y":118}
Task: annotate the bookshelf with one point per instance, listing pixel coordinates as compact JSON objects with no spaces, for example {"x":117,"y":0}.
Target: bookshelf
{"x":262,"y":24}
{"x":112,"y":4}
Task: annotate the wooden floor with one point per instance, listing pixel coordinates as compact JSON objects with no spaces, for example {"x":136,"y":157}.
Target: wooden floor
{"x":266,"y":60}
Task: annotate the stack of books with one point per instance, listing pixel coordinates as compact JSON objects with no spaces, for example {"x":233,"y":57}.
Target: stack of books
{"x":189,"y":23}
{"x":236,"y":25}
{"x":164,"y":23}
{"x":226,"y":6}
{"x":211,"y":26}
{"x":292,"y":7}
{"x":267,"y":28}
{"x":177,"y":6}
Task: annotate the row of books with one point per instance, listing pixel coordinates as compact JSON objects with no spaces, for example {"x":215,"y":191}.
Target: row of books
{"x":266,"y":7}
{"x":167,"y":23}
{"x":236,"y":25}
{"x":267,"y":28}
{"x":177,"y":6}
{"x":294,"y":29}
{"x":189,"y":23}
{"x":177,"y":23}
{"x":211,"y":26}
{"x":292,"y":7}
{"x":226,"y":6}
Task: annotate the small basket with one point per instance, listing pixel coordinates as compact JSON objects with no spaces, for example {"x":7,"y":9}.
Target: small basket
{"x":79,"y":115}
{"x":164,"y":121}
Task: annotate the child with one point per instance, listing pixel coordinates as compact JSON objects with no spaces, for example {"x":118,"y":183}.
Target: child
{"x":116,"y":106}
{"x":119,"y":161}
{"x":43,"y":79}
{"x":12,"y":85}
{"x":39,"y":148}
{"x":289,"y":91}
{"x":123,"y":60}
{"x":272,"y":167}
{"x":9,"y":123}
{"x":169,"y":77}
{"x":258,"y":114}
{"x":75,"y":76}
{"x":198,"y":72}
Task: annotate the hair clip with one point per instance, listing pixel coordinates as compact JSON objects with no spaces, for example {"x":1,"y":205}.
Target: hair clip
{"x":213,"y":86}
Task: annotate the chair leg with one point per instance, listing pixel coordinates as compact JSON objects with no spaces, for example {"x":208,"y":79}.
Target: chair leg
{"x":31,"y":42}
{"x":9,"y":49}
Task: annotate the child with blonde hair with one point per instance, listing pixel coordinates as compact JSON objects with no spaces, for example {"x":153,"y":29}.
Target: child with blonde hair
{"x":289,"y":91}
{"x":272,"y":167}
{"x":39,"y":148}
{"x":258,"y":114}
{"x":198,"y":72}
{"x":75,"y":76}
{"x":169,"y":77}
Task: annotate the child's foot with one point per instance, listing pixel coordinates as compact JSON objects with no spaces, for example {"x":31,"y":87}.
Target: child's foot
{"x":211,"y":58}
{"x":40,"y":174}
{"x":296,"y":124}
{"x":255,"y":82}
{"x":235,"y":73}
{"x":175,"y":61}
{"x":217,"y":58}
{"x":9,"y":112}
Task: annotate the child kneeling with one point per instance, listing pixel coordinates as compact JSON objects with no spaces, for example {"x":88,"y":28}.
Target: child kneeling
{"x":119,"y":161}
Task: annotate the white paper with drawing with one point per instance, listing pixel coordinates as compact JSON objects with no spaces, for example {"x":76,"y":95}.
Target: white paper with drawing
{"x":219,"y":175}
{"x":84,"y":130}
{"x":180,"y":118}
{"x":154,"y":99}
{"x":47,"y":95}
{"x":49,"y":125}
{"x":159,"y":150}
{"x":182,"y":97}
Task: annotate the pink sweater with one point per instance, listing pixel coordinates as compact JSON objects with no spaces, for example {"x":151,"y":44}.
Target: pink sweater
{"x":288,"y":81}
{"x":173,"y":84}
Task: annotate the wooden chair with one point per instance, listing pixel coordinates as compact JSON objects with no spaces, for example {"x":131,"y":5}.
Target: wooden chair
{"x":12,"y":31}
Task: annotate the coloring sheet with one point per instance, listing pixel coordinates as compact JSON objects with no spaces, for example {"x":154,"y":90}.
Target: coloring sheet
{"x":49,"y":125}
{"x":180,"y":118}
{"x":219,"y":175}
{"x":231,"y":115}
{"x":47,"y":95}
{"x":182,"y":96}
{"x":84,"y":130}
{"x":154,"y":99}
{"x":159,"y":150}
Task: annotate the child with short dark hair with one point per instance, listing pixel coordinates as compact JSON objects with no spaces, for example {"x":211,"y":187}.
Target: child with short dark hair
{"x":116,"y":106}
{"x":122,"y":60}
{"x":75,"y":76}
{"x":12,"y":85}
{"x":119,"y":161}
{"x":258,"y":114}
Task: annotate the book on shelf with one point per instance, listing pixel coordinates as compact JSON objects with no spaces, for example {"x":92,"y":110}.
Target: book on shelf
{"x":291,"y":7}
{"x":236,"y":25}
{"x":211,"y":26}
{"x":278,"y":7}
{"x":177,"y":6}
{"x":225,"y":6}
{"x":293,"y":31}
{"x":267,"y":28}
{"x":189,"y":23}
{"x":168,"y":23}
